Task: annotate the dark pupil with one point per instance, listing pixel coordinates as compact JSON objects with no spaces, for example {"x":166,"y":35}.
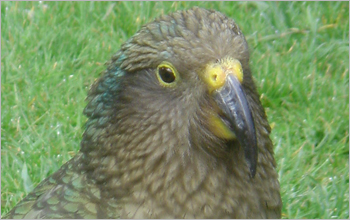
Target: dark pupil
{"x":166,"y":74}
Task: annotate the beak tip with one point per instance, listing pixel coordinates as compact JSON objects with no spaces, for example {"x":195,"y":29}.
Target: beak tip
{"x":252,"y":171}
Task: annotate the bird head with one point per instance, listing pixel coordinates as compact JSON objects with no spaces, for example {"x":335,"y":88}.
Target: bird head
{"x":181,"y":86}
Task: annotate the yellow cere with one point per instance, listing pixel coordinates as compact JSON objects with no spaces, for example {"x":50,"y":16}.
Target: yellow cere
{"x":214,"y":77}
{"x":233,"y":66}
{"x":215,"y":73}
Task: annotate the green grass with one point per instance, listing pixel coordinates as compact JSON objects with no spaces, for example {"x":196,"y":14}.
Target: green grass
{"x":52,"y":51}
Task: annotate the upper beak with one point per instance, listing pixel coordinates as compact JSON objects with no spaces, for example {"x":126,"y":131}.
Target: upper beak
{"x":231,"y":99}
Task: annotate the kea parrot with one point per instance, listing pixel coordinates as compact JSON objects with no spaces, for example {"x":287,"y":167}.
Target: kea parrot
{"x":175,"y":129}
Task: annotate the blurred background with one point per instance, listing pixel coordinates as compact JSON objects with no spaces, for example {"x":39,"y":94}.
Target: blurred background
{"x":51,"y":52}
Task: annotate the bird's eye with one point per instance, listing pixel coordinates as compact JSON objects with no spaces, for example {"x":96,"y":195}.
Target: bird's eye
{"x":167,"y":74}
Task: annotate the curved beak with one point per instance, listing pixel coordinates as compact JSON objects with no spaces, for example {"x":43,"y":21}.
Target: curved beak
{"x":232,"y":100}
{"x":224,"y":80}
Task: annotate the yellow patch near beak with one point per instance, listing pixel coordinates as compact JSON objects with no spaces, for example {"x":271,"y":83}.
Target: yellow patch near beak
{"x":218,"y":127}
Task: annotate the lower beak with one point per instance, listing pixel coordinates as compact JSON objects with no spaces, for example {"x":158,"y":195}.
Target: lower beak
{"x":232,"y":100}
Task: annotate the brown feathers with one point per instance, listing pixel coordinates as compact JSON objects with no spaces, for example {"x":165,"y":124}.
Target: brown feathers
{"x":148,"y":150}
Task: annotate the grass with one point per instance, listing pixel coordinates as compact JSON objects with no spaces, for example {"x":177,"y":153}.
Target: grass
{"x":52,"y":52}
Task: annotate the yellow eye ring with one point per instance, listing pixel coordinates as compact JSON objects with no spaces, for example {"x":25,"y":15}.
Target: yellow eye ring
{"x":167,"y":74}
